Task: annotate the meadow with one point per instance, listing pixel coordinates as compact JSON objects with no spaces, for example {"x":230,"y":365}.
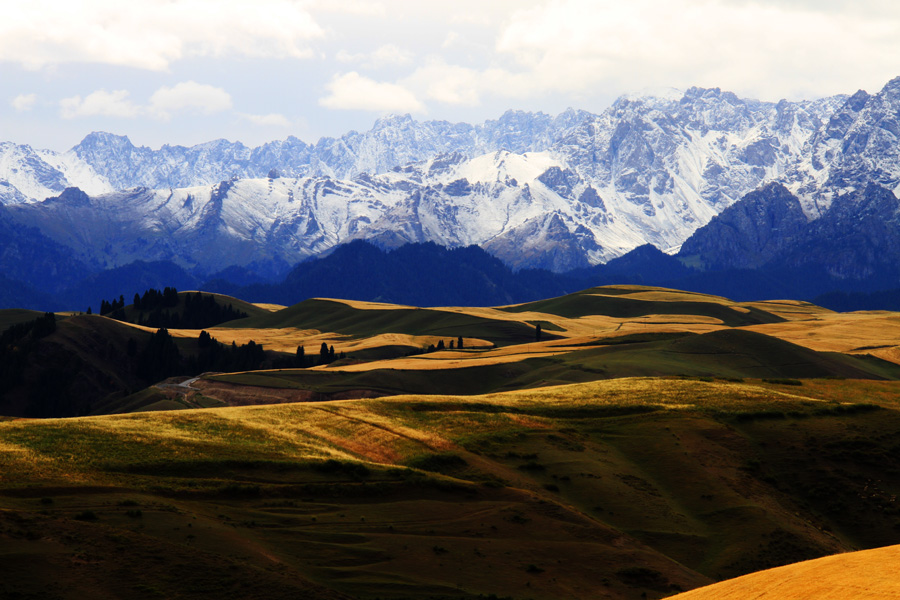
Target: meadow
{"x":618,"y":488}
{"x":649,"y":443}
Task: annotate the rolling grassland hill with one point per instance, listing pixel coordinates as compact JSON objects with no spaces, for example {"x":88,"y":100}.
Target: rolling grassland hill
{"x":624,"y":488}
{"x":599,"y":333}
{"x":864,"y":575}
{"x":619,"y":442}
{"x":82,"y":361}
{"x":275,"y":354}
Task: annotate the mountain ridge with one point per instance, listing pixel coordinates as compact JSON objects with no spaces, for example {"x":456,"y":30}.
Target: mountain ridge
{"x":537,"y":191}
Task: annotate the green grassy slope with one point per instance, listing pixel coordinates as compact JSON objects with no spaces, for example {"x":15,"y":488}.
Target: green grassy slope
{"x":724,"y":354}
{"x":337,"y":317}
{"x":14,"y":316}
{"x":609,"y":302}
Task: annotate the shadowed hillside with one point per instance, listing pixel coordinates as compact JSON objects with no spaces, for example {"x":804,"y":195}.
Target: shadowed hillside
{"x":628,"y":488}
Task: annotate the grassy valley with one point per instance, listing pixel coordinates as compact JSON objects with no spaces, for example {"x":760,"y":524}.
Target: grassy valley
{"x":647,"y":442}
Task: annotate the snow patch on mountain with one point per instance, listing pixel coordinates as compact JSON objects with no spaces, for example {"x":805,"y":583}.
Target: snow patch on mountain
{"x":574,"y":189}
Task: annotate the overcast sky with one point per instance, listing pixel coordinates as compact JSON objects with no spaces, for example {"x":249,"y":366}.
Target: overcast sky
{"x":189,"y":71}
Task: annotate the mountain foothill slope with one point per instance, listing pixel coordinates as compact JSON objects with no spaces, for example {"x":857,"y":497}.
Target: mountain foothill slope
{"x":378,"y":349}
{"x":628,"y":488}
{"x":862,"y":575}
{"x":516,"y":464}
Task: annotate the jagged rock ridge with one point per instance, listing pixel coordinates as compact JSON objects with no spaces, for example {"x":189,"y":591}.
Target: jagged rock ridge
{"x":558,"y":192}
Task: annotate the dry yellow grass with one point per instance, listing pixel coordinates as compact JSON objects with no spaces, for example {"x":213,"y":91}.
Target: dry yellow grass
{"x":402,"y":339}
{"x":269,"y":307}
{"x":790,"y":309}
{"x":442,"y":360}
{"x":285,"y":339}
{"x":874,"y":332}
{"x":630,"y":391}
{"x":366,"y":305}
{"x":598,"y":325}
{"x":668,"y":295}
{"x":367,"y":428}
{"x":865,"y":575}
{"x":814,"y":327}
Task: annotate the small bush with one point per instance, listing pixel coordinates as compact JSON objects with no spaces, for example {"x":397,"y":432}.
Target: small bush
{"x":443,"y":462}
{"x":240,"y":490}
{"x":643,"y":577}
{"x":783,"y":381}
{"x":760,"y":415}
{"x":354,"y":469}
{"x":532,"y":466}
{"x":86,"y":515}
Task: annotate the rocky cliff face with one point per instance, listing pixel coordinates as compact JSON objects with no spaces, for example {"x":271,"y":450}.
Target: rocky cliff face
{"x":751,"y":232}
{"x":856,"y":238}
{"x":559,"y":192}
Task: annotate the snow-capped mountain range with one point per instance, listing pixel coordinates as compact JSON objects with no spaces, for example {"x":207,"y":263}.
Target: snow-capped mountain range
{"x":534,"y":190}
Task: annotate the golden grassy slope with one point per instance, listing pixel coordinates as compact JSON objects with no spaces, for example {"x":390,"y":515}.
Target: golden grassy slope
{"x":874,"y":332}
{"x":817,"y":328}
{"x":614,"y":488}
{"x":864,"y":575}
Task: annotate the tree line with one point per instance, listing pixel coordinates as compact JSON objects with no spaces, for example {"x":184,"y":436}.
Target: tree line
{"x":155,"y":308}
{"x":16,"y":343}
{"x":160,"y":357}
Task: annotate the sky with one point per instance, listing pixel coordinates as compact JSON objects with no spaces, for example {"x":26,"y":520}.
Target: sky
{"x":189,"y":71}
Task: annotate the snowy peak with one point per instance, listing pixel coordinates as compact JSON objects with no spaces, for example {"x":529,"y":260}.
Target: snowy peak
{"x":100,"y":142}
{"x":557,"y":191}
{"x":859,"y":144}
{"x":28,"y":175}
{"x":404,"y":121}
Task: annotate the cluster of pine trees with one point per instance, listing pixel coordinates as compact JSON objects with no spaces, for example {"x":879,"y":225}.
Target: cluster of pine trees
{"x":160,"y":357}
{"x":441,"y":346}
{"x":199,"y":311}
{"x":153,"y":299}
{"x":301,"y":360}
{"x":160,"y":309}
{"x":108,"y":307}
{"x":15,"y":346}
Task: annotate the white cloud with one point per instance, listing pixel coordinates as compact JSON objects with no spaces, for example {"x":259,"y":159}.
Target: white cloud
{"x":352,"y":91}
{"x":450,"y":84}
{"x":188,"y":96}
{"x":23,"y":102}
{"x":386,"y":55}
{"x":774,"y":49}
{"x":270,"y":120}
{"x":99,"y":103}
{"x":151,"y":34}
{"x":351,"y":7}
{"x":389,"y":54}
